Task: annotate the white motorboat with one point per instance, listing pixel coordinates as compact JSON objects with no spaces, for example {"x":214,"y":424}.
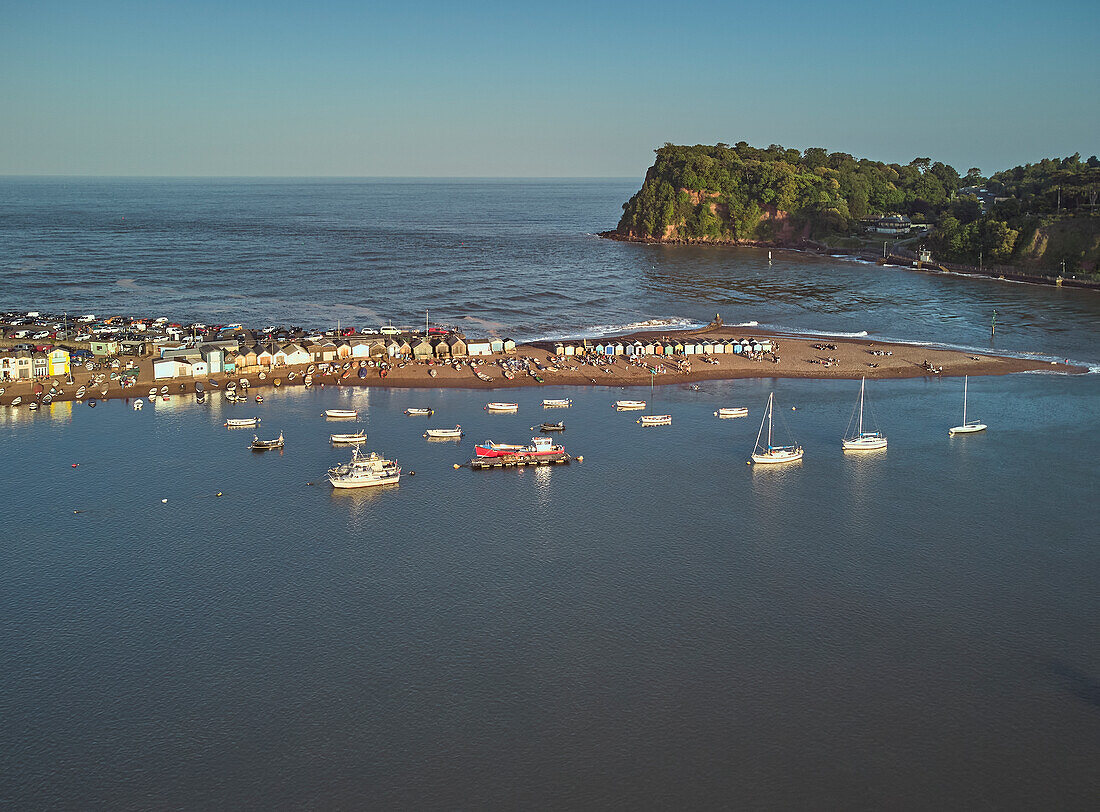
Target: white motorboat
{"x":863,"y":440}
{"x":341,"y":414}
{"x":80,"y":393}
{"x":557,"y":403}
{"x":420,"y":412}
{"x":15,"y":401}
{"x":731,"y":411}
{"x":138,"y":404}
{"x":502,"y":407}
{"x":444,"y":434}
{"x":968,"y":426}
{"x":629,"y":404}
{"x":153,"y":392}
{"x":772,"y":454}
{"x":242,"y":422}
{"x":655,"y":420}
{"x":164,"y":389}
{"x":348,"y":439}
{"x":266,"y":445}
{"x":363,"y":471}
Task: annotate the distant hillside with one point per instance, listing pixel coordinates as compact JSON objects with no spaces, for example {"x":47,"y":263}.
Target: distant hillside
{"x":779,"y":196}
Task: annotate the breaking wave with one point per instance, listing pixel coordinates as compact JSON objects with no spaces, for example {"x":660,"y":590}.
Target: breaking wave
{"x":601,"y":330}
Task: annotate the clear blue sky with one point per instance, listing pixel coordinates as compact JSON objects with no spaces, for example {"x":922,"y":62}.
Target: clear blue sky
{"x":236,"y":87}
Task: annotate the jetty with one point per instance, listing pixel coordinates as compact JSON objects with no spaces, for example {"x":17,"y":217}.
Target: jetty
{"x":514,"y":460}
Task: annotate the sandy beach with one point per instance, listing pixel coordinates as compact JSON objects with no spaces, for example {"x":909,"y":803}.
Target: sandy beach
{"x":797,"y":357}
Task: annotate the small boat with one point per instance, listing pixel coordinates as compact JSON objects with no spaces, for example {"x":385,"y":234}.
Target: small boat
{"x":968,"y":426}
{"x":33,"y":407}
{"x":213,"y":384}
{"x":277,"y":382}
{"x":80,"y":393}
{"x":772,"y":454}
{"x":230,"y":386}
{"x":863,"y":440}
{"x":655,"y":420}
{"x":244,"y":383}
{"x":509,"y":374}
{"x":539,"y":447}
{"x":242,"y":422}
{"x":431,"y":372}
{"x":164,"y":389}
{"x":199,"y":387}
{"x":47,"y":399}
{"x":345,"y":439}
{"x":292,"y":376}
{"x":311,"y":369}
{"x":259,"y":398}
{"x":15,"y":401}
{"x":420,"y":412}
{"x":629,"y":404}
{"x":266,"y":445}
{"x":138,"y":404}
{"x":444,"y":434}
{"x":732,"y":411}
{"x":501,"y":407}
{"x":308,"y":380}
{"x":263,"y":376}
{"x":92,"y":403}
{"x":557,"y":403}
{"x":364,"y":471}
{"x":552,"y":426}
{"x":341,"y":413}
{"x":153,"y":392}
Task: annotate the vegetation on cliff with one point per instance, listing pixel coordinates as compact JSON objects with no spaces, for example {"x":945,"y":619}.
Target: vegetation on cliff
{"x":741,"y":193}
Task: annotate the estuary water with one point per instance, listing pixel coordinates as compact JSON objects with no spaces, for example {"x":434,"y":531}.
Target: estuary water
{"x":658,"y":626}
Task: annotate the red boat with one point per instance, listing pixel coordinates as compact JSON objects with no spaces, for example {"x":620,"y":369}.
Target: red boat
{"x":539,"y":447}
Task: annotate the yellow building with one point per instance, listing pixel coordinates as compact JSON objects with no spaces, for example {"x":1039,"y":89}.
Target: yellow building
{"x":58,"y":360}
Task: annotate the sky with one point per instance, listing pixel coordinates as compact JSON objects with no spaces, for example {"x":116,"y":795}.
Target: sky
{"x":553,"y":89}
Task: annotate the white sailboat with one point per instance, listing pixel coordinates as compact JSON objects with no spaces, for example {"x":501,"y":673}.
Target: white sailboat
{"x":771,"y":454}
{"x":863,"y":440}
{"x":967,"y":427}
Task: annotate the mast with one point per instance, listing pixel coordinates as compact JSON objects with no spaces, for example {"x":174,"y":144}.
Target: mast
{"x":770,"y":398}
{"x":862,"y":383}
{"x":965,"y":379}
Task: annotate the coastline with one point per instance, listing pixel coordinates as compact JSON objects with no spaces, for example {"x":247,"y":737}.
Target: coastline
{"x":848,"y":358}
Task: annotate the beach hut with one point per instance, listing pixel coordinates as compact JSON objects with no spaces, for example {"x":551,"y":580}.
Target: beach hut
{"x":689,"y":348}
{"x":422,"y":349}
{"x":658,"y":349}
{"x":630,"y":349}
{"x":509,"y":345}
{"x":496,"y":345}
{"x":457,"y":346}
{"x":265,"y":357}
{"x":214,"y":358}
{"x":766,"y":345}
{"x":440,"y":348}
{"x":197,"y":369}
{"x":479,"y":347}
{"x":617,"y":348}
{"x":343,"y":350}
{"x":169,"y":368}
{"x":58,"y":361}
{"x":757,"y":348}
{"x":360,"y":349}
{"x":559,"y":348}
{"x":296,"y":354}
{"x":718,"y":347}
{"x":104,"y":347}
{"x":376,"y":347}
{"x":328,"y":352}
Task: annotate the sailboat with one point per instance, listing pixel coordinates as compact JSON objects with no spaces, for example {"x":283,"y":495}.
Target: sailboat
{"x":967,"y":427}
{"x":863,"y":440}
{"x":771,"y":454}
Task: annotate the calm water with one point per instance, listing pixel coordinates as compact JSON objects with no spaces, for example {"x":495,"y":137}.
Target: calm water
{"x":659,"y":626}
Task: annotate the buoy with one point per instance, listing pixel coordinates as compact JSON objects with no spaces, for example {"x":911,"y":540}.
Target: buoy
{"x":792,"y":408}
{"x":219,"y":493}
{"x":457,"y":466}
{"x":748,"y":462}
{"x":163,"y":501}
{"x":580,"y":459}
{"x":75,"y":464}
{"x":412,"y":473}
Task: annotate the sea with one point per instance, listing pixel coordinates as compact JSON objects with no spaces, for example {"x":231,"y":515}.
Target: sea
{"x":188,"y":624}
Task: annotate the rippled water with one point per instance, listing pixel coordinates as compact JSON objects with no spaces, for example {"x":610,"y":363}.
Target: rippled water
{"x":658,"y":626}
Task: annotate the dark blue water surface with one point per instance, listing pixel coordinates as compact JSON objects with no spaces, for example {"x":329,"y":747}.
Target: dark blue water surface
{"x":660,"y":626}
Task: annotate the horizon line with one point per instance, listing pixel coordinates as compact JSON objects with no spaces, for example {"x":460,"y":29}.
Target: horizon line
{"x":314,"y":177}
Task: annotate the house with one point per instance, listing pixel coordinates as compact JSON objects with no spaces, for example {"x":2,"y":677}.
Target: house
{"x":892,"y":224}
{"x":16,"y":366}
{"x":40,"y":364}
{"x":213,"y":357}
{"x":58,"y":361}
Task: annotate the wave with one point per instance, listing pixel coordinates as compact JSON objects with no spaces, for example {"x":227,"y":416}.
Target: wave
{"x":601,"y":330}
{"x":746,"y":324}
{"x":802,"y":331}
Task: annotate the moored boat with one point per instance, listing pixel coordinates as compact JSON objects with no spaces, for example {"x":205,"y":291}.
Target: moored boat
{"x":968,"y":426}
{"x":347,"y":439}
{"x":80,"y":393}
{"x":364,"y":471}
{"x":655,"y":420}
{"x":558,"y":403}
{"x":772,"y":454}
{"x":242,"y":422}
{"x":863,"y":440}
{"x":559,"y":426}
{"x":497,"y":406}
{"x":731,"y":411}
{"x":266,"y":445}
{"x":539,"y":447}
{"x":629,"y":404}
{"x":419,"y":412}
{"x":341,"y":413}
{"x":444,"y":434}
{"x":138,"y":404}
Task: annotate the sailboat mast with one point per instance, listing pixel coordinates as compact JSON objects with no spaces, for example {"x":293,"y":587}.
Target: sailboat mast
{"x":771,"y":397}
{"x":966,"y":378}
{"x":862,"y":383}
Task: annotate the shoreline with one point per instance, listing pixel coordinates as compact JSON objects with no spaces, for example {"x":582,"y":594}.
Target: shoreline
{"x":845,"y":359}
